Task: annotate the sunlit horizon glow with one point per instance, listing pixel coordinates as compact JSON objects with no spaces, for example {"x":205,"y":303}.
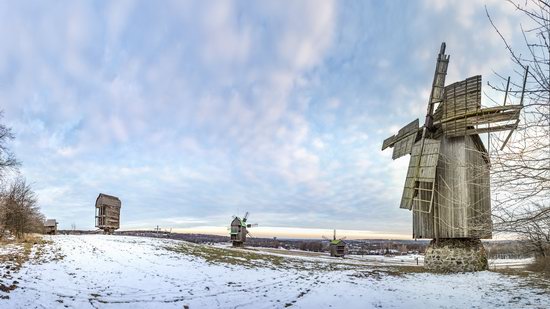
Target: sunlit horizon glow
{"x":299,"y":233}
{"x":292,"y":233}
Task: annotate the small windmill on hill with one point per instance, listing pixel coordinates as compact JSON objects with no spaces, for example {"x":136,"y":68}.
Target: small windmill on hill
{"x":238,"y":230}
{"x":107,"y":213}
{"x":337,"y":246}
{"x":447,"y":183}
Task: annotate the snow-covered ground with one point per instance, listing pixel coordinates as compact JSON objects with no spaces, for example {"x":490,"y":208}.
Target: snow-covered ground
{"x":99,"y":271}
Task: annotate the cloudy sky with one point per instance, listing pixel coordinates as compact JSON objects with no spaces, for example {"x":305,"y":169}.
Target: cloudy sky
{"x":192,"y":112}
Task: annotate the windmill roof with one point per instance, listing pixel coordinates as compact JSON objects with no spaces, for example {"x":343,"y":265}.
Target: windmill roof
{"x":242,"y":222}
{"x":50,"y":222}
{"x":337,"y":242}
{"x":106,"y":199}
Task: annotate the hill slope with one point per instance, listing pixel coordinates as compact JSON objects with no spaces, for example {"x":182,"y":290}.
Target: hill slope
{"x":98,"y":271}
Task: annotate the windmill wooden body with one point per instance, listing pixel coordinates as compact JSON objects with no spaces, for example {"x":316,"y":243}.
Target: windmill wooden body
{"x":50,"y":227}
{"x":238,"y":230}
{"x":447,"y":184}
{"x":337,"y":247}
{"x":107,"y":213}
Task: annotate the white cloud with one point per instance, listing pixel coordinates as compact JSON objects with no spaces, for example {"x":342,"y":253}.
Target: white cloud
{"x":226,"y":40}
{"x":318,"y":144}
{"x":117,"y":17}
{"x":333,"y":103}
{"x":224,"y":105}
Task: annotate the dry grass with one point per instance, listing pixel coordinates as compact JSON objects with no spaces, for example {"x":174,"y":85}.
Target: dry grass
{"x":20,"y":251}
{"x":541,"y":265}
{"x":253,"y":258}
{"x":532,"y":278}
{"x":216,"y":255}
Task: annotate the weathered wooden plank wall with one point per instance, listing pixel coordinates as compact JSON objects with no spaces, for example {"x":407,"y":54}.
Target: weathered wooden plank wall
{"x":462,"y":195}
{"x":107,"y":211}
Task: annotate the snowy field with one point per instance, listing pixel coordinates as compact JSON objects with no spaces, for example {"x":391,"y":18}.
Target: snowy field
{"x":98,"y":271}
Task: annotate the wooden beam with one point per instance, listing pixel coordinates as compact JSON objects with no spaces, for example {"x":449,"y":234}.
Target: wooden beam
{"x":521,"y":104}
{"x":404,"y":132}
{"x":483,"y":111}
{"x":473,"y":131}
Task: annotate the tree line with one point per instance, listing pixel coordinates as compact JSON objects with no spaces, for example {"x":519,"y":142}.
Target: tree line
{"x":19,"y":211}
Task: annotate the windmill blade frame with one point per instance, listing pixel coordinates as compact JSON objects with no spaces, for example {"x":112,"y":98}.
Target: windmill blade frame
{"x":421,"y":176}
{"x":403,"y":141}
{"x":438,"y":85}
{"x":461,"y":113}
{"x":520,"y":103}
{"x":436,"y":96}
{"x":402,"y":133}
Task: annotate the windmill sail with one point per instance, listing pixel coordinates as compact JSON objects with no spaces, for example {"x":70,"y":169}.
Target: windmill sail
{"x":461,"y":114}
{"x":420,"y":182}
{"x":403,"y":141}
{"x":462,"y":97}
{"x":438,"y":85}
{"x":418,"y":190}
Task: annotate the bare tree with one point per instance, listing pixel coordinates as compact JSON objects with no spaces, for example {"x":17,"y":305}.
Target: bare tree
{"x":7,"y":158}
{"x":19,"y":212}
{"x":521,"y":168}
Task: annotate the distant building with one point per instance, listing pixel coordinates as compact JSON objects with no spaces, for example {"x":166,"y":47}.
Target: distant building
{"x":50,"y":227}
{"x":107,"y":213}
{"x":337,"y":248}
{"x":238,"y":230}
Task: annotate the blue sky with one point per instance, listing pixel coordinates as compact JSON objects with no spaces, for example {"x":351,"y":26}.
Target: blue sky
{"x":194,"y":111}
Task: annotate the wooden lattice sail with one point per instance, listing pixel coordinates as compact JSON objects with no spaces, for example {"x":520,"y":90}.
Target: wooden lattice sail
{"x":447,"y":183}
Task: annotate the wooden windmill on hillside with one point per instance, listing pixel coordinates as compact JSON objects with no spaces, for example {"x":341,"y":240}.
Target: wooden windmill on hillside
{"x":239,"y":230}
{"x":447,"y":183}
{"x":337,"y":246}
{"x":107,"y":213}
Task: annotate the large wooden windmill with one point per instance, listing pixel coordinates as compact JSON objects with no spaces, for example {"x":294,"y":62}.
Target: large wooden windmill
{"x":239,"y":230}
{"x":447,"y":183}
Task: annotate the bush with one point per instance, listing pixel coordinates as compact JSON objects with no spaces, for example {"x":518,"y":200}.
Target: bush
{"x":541,"y":264}
{"x":19,"y":213}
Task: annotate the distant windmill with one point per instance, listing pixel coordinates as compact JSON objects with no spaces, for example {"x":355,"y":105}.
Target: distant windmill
{"x":337,"y":246}
{"x":447,"y":183}
{"x":107,"y":213}
{"x":238,"y":230}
